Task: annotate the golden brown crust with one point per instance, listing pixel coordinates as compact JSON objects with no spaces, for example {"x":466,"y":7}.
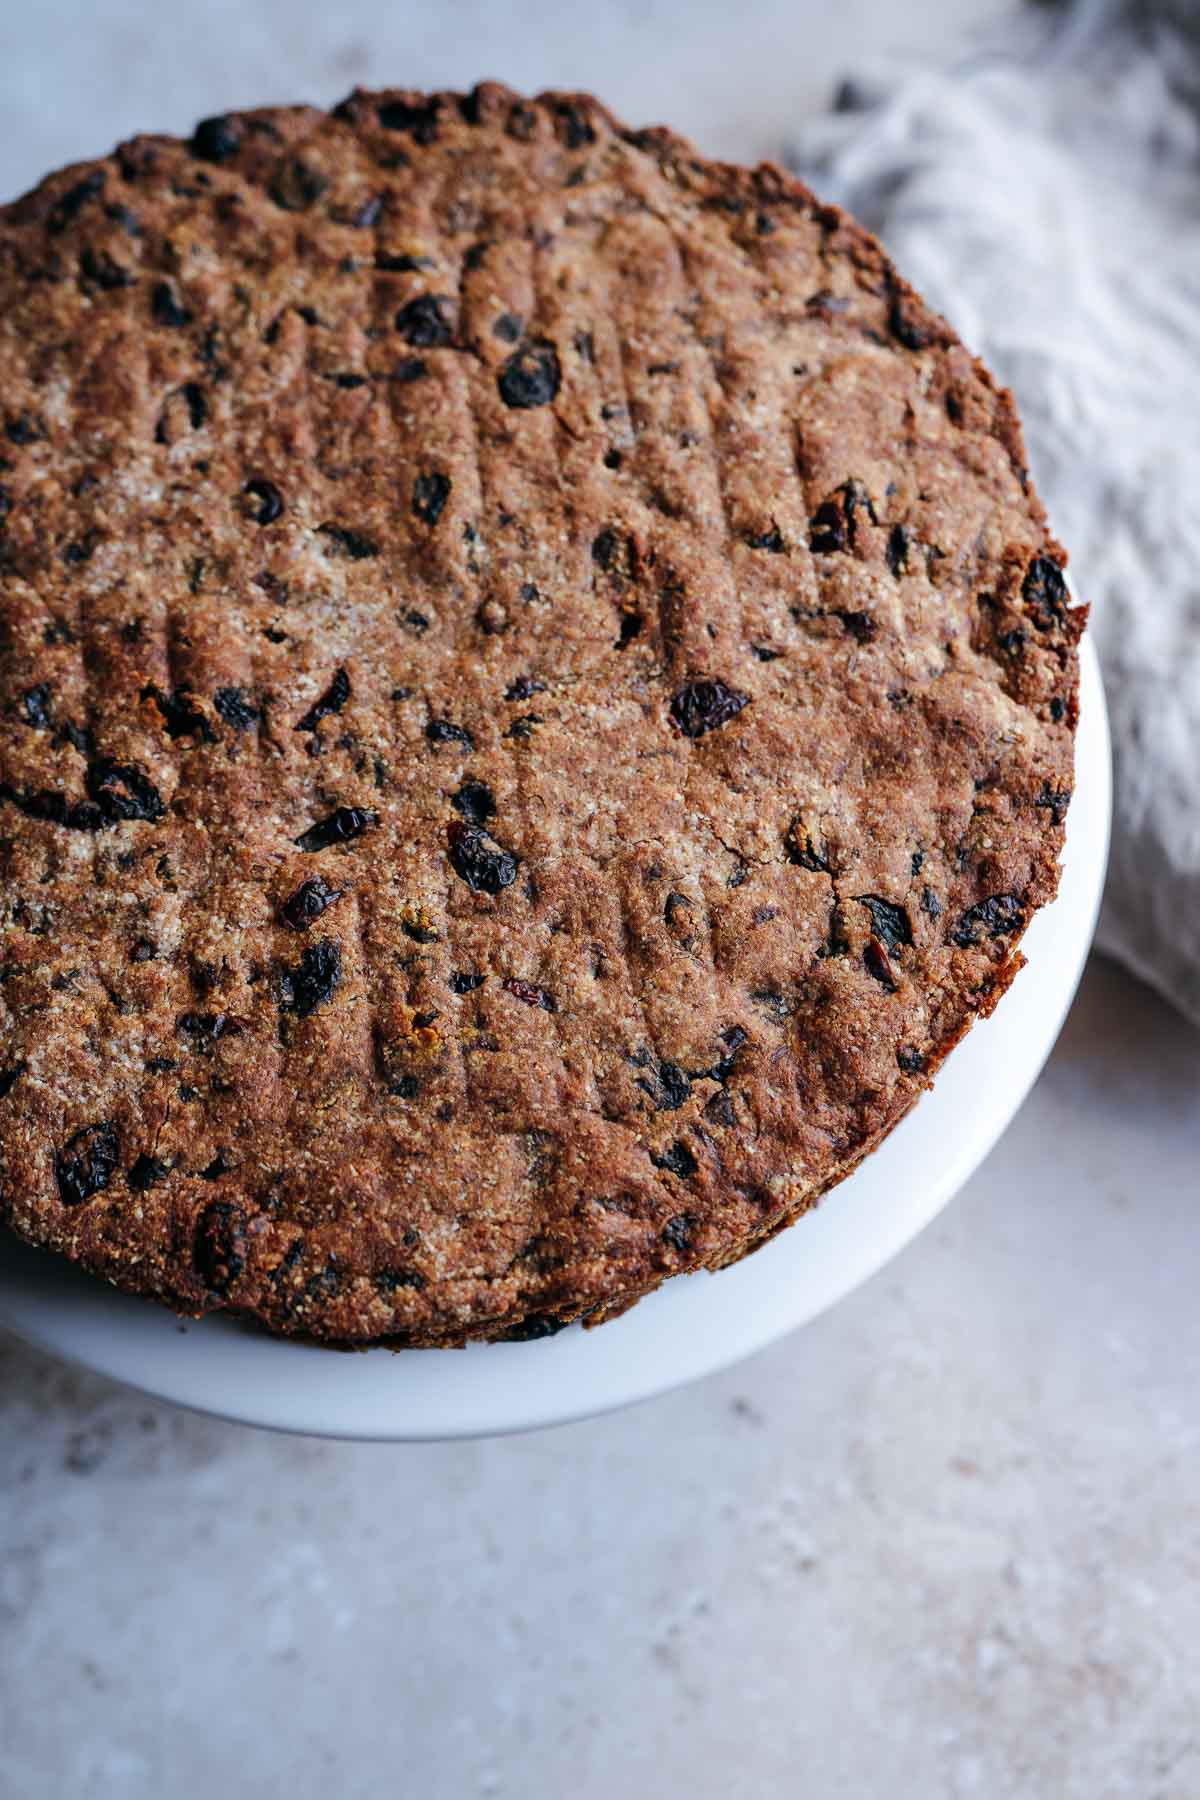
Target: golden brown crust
{"x":536,"y":702}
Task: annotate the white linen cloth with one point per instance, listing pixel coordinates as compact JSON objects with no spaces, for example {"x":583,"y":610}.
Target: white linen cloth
{"x":1044,"y":193}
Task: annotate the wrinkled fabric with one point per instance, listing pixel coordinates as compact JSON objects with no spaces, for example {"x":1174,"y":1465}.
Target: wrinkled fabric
{"x":1044,"y":193}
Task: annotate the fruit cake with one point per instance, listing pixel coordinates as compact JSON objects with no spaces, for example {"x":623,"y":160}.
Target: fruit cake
{"x":537,"y":702}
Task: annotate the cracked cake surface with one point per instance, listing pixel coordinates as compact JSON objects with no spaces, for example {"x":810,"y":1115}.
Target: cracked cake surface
{"x":536,"y":703}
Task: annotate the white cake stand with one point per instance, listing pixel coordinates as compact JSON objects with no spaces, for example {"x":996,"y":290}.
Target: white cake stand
{"x":691,"y":1327}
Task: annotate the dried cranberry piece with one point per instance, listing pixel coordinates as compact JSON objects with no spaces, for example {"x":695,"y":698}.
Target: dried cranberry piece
{"x":801,"y":850}
{"x":216,"y":139}
{"x":575,"y":128}
{"x":677,"y":1232}
{"x":54,"y":808}
{"x":419,"y":121}
{"x":125,"y":218}
{"x":702,"y":706}
{"x":81,"y":549}
{"x":339,"y":828}
{"x":287,"y":1262}
{"x":234,"y":708}
{"x":307,"y":903}
{"x":145,"y":1172}
{"x":166,"y":307}
{"x":771,"y":540}
{"x":827,"y":529}
{"x":69,"y":204}
{"x":20,"y":429}
{"x":122,"y":792}
{"x":189,"y":399}
{"x":897,"y":550}
{"x":478,"y":860}
{"x":79,"y":738}
{"x":219,"y":1246}
{"x":10,"y":1076}
{"x":205,"y":1028}
{"x":995,"y":917}
{"x":314,"y":980}
{"x":1045,"y":593}
{"x":99,"y":269}
{"x":269,"y":500}
{"x":181,"y":716}
{"x":1055,"y":801}
{"x":426,"y":322}
{"x":531,"y":995}
{"x":524,"y":688}
{"x":388,"y":1280}
{"x":331,"y":701}
{"x":531,"y":376}
{"x":402,"y":264}
{"x":352,"y":544}
{"x":676,"y":1159}
{"x":860,"y":625}
{"x":85,"y":1163}
{"x":441,"y":731}
{"x":35,"y":704}
{"x":430,"y":494}
{"x":474,"y":800}
{"x":669,"y":1088}
{"x":469,"y":107}
{"x":834,"y":525}
{"x":733,"y":1038}
{"x":891,"y":922}
{"x":522,"y":121}
{"x":607,"y":548}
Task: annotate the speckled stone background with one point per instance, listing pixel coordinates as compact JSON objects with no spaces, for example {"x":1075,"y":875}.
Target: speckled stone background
{"x":945,"y":1542}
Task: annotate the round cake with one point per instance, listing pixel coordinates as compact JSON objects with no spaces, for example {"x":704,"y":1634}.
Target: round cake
{"x":536,"y":704}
